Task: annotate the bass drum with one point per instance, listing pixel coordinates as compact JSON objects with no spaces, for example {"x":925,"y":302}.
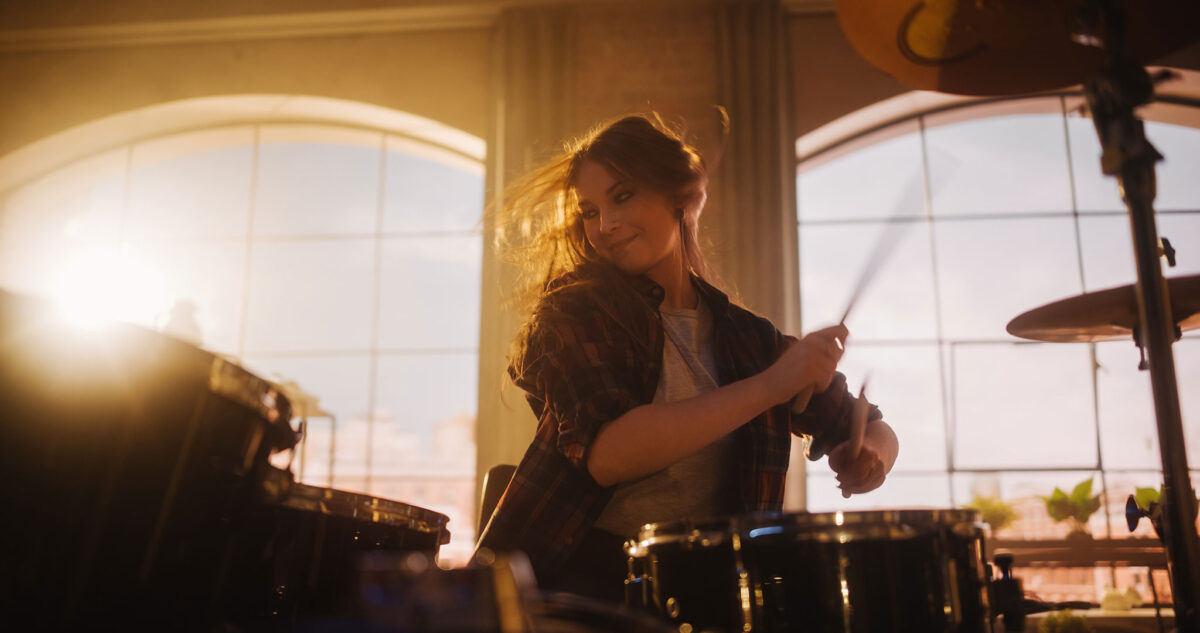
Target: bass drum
{"x":888,"y":570}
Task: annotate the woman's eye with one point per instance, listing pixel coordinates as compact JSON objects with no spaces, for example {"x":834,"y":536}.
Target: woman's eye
{"x":588,"y":214}
{"x":623,"y":196}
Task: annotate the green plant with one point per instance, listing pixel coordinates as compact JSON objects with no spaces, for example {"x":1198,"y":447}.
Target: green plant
{"x":1146,"y":496}
{"x":1075,"y":507}
{"x":995,"y":512}
{"x":1064,"y":622}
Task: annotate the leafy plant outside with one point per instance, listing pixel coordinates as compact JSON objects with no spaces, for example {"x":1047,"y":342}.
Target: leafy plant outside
{"x":1076,"y":507}
{"x":994,"y":511}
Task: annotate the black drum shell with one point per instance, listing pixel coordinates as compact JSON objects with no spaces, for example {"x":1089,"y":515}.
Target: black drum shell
{"x":137,"y":491}
{"x":308,"y":568}
{"x":903,"y":570}
{"x":126,"y":460}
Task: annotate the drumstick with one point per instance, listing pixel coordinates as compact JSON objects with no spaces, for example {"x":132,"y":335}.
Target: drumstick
{"x":897,"y":224}
{"x":884,"y":246}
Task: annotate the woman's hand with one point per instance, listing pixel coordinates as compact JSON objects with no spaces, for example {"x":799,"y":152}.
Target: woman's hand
{"x":866,"y":471}
{"x":807,"y":365}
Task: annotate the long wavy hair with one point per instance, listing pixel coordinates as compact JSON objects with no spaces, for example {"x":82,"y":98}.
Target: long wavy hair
{"x":539,"y":229}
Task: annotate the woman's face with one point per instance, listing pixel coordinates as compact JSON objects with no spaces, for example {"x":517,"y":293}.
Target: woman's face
{"x":635,"y":229}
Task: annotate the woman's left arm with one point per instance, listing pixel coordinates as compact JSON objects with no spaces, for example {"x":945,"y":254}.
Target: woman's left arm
{"x":866,"y":471}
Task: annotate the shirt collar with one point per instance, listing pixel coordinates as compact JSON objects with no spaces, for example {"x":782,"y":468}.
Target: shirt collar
{"x":717,"y":301}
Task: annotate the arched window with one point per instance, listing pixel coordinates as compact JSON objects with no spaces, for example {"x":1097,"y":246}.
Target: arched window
{"x":1003,"y":208}
{"x":342,"y":257}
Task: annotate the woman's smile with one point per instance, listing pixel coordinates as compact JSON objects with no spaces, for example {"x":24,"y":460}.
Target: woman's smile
{"x":619,"y":244}
{"x":632,"y":227}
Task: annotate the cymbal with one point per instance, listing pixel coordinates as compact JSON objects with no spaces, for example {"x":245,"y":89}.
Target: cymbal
{"x":1105,"y":315}
{"x":1001,"y":47}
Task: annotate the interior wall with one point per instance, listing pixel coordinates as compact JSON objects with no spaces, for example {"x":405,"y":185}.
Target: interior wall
{"x":25,"y":14}
{"x":830,"y":79}
{"x":49,"y":91}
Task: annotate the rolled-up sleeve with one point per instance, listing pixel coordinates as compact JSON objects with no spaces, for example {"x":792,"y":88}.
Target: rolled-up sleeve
{"x":578,"y":379}
{"x":826,"y":419}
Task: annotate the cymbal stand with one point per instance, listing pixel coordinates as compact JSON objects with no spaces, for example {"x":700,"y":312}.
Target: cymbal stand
{"x":1121,"y":85}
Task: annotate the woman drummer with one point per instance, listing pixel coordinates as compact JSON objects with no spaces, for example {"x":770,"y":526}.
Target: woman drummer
{"x":657,"y":397}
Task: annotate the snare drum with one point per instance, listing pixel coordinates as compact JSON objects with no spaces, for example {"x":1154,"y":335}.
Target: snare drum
{"x":887,"y":570}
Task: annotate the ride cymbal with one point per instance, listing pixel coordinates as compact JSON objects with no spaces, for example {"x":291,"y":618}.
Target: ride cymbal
{"x":1105,"y":315}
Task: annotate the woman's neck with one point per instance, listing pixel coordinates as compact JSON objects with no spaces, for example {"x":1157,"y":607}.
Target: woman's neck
{"x":678,"y":291}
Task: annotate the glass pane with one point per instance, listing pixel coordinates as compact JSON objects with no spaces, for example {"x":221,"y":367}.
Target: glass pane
{"x":1187,"y":370}
{"x":430,"y":292}
{"x":78,"y":203}
{"x":905,"y":382}
{"x":1108,"y":248}
{"x":1107,"y":252}
{"x":900,"y":490}
{"x":1023,"y":405}
{"x":430,"y":190}
{"x":202,"y":293}
{"x":311,"y":296}
{"x":425,"y":410}
{"x":1128,"y":433}
{"x":990,"y":271}
{"x":883,"y":179}
{"x":92,"y":283}
{"x":1183,"y":231}
{"x":1014,"y":163}
{"x":20,"y":270}
{"x":423,"y":450}
{"x":899,"y":302}
{"x":191,"y":185}
{"x":1128,"y":426}
{"x":340,"y":384}
{"x":1178,"y":187}
{"x":1093,"y":190}
{"x":1022,"y":494}
{"x":316,"y":180}
{"x":43,"y":272}
{"x":352,"y":445}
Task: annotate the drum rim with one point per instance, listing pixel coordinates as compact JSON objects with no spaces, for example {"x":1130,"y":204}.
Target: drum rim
{"x":841,"y":526}
{"x":357,"y":505}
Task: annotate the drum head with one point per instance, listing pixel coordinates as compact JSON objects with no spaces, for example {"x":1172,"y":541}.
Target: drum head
{"x":841,"y":526}
{"x":364,"y":508}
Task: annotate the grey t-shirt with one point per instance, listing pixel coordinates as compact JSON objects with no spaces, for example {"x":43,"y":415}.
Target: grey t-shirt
{"x":702,"y":484}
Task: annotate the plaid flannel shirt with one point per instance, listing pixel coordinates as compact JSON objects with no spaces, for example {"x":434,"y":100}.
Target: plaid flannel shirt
{"x":586,"y":369}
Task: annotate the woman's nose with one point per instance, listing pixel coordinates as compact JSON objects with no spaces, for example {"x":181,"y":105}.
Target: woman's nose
{"x":608,"y":220}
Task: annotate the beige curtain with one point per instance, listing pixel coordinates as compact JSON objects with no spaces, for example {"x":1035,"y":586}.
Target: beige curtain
{"x":755,"y":187}
{"x":530,"y":105}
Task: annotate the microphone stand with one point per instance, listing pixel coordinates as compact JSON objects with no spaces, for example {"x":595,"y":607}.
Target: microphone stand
{"x":1121,"y":85}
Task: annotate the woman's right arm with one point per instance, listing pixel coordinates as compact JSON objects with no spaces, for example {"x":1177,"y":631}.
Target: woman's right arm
{"x":651,"y":437}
